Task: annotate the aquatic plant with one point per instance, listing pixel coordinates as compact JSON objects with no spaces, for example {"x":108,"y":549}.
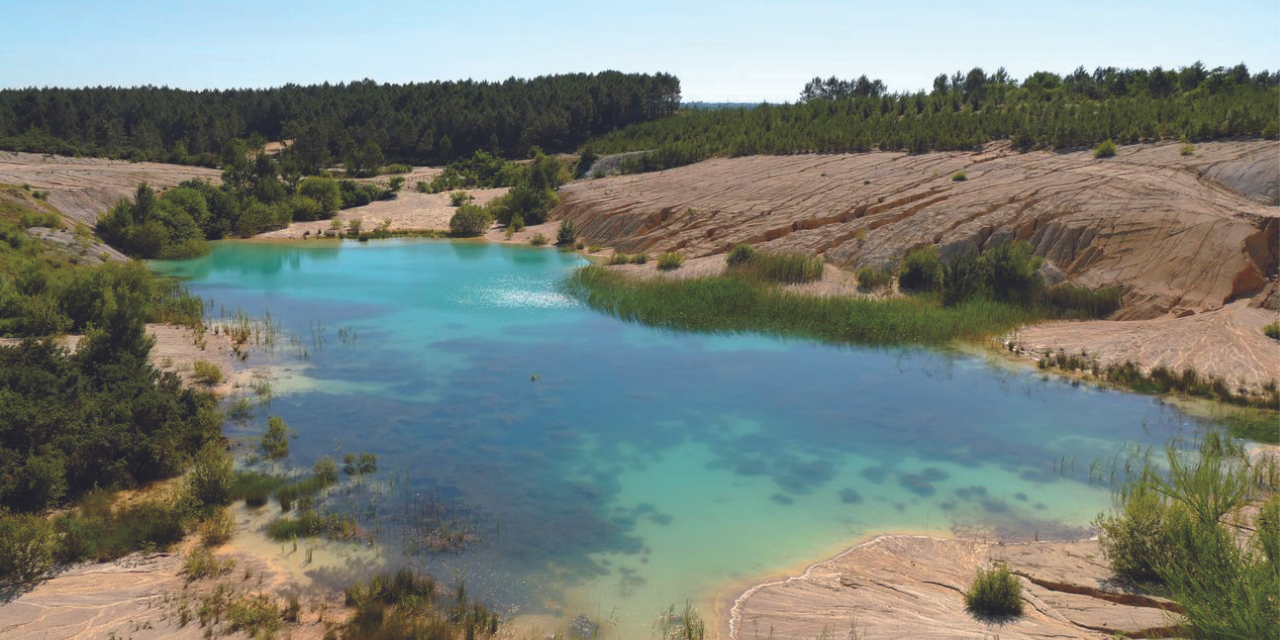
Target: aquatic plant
{"x":782,"y":267}
{"x":721,"y":303}
{"x":275,"y":442}
{"x":994,"y":593}
{"x":873,"y":278}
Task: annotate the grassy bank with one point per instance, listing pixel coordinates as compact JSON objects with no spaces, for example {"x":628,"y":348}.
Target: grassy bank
{"x":733,"y":304}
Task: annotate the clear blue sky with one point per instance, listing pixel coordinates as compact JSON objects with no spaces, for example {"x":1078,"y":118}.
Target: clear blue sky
{"x":740,"y":51}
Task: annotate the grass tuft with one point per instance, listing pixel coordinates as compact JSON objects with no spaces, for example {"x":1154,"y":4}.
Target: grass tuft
{"x":994,"y":593}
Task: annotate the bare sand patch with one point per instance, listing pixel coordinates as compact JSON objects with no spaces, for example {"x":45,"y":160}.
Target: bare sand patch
{"x":408,"y":211}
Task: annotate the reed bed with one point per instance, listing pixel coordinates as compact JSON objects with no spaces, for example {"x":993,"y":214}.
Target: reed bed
{"x":730,"y":304}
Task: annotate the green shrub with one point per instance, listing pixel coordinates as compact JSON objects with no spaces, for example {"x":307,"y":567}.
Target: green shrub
{"x":275,"y":442}
{"x":396,"y":169}
{"x":394,"y":186}
{"x":211,"y":479}
{"x":1188,"y":149}
{"x":26,"y":546}
{"x":1272,"y":330}
{"x":538,"y":240}
{"x":206,"y":372}
{"x":873,"y":278}
{"x":95,"y":531}
{"x":470,"y":220}
{"x":459,"y":198}
{"x":921,"y":270}
{"x":994,"y":593}
{"x":517,"y":223}
{"x":1105,"y":149}
{"x":566,"y":233}
{"x":670,"y":261}
{"x":1133,"y":541}
{"x":740,"y":256}
{"x":959,"y":176}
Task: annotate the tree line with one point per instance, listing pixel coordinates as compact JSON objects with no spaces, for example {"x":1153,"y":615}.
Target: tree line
{"x":966,"y":110}
{"x":427,"y":122}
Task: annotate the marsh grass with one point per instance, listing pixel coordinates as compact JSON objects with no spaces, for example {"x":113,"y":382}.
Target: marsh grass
{"x":405,"y":605}
{"x":782,"y":267}
{"x":727,"y":304}
{"x":254,"y":487}
{"x":874,"y":278}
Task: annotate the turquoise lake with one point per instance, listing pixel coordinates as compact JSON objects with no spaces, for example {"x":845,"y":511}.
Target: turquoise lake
{"x":612,"y":469}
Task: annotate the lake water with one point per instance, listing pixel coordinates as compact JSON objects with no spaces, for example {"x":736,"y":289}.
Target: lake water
{"x":611,"y":469}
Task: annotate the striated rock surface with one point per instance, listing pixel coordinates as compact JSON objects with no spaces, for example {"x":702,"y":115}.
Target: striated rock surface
{"x":912,"y":587}
{"x":82,"y":189}
{"x":1179,"y":233}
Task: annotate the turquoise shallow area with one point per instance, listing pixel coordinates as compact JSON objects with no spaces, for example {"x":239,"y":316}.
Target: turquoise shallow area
{"x":643,"y":467}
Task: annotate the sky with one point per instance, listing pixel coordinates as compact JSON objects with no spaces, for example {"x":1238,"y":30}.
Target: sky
{"x":721,"y":51}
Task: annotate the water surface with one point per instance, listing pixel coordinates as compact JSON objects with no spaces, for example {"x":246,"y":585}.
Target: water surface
{"x":613,"y":469}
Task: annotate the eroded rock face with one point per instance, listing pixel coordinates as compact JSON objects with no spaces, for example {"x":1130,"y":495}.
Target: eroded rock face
{"x":1187,"y":232}
{"x":82,"y":189}
{"x":911,"y":587}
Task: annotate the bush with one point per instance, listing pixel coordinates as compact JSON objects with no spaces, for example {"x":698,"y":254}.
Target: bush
{"x":959,"y":176}
{"x":324,"y":191}
{"x":921,"y":270}
{"x":670,"y":261}
{"x":393,"y":187}
{"x":396,"y":168}
{"x":538,"y":240}
{"x":740,"y":255}
{"x":1010,"y":272}
{"x":26,"y":546}
{"x":1105,"y":149}
{"x":994,"y":593}
{"x":211,"y":477}
{"x":470,"y":220}
{"x":566,"y":233}
{"x":275,"y":443}
{"x":206,"y":372}
{"x":459,"y":198}
{"x":1272,"y":330}
{"x":1188,"y":149}
{"x":217,"y":529}
{"x":874,"y":278}
{"x":1133,"y":541}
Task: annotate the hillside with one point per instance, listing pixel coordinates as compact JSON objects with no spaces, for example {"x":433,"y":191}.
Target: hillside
{"x":1191,"y":239}
{"x":1182,"y":234}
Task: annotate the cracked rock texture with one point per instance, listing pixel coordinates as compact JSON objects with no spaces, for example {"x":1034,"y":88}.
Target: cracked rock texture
{"x":911,"y":587}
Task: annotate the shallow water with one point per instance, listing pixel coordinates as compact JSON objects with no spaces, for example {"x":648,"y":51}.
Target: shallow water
{"x":613,"y":469}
